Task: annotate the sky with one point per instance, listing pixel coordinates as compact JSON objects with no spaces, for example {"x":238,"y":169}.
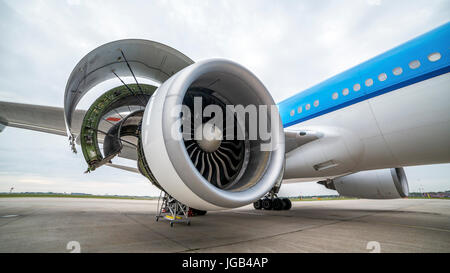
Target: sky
{"x":289,"y":45}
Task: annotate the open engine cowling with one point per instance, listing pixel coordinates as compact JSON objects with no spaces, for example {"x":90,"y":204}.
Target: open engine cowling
{"x":216,"y":173}
{"x":206,"y":174}
{"x":373,"y":184}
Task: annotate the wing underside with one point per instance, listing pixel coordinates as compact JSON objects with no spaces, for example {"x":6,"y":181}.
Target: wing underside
{"x":47,"y":119}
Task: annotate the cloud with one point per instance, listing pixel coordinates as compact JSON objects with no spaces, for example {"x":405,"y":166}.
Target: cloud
{"x":374,"y":2}
{"x":73,"y":2}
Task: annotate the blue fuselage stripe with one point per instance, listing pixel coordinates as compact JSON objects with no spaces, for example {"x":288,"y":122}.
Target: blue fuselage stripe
{"x":328,"y":96}
{"x":374,"y":94}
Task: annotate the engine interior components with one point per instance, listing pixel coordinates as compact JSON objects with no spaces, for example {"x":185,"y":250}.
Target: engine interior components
{"x":105,"y":119}
{"x":129,"y":57}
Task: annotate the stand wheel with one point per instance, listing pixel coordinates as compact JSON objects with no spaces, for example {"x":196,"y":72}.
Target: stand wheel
{"x":267,"y":204}
{"x":171,"y":224}
{"x":257,"y":204}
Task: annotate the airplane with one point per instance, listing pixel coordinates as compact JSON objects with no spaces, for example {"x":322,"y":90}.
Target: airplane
{"x":353,"y":132}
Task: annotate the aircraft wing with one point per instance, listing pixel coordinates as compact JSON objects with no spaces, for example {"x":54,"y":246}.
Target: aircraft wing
{"x":46,"y":119}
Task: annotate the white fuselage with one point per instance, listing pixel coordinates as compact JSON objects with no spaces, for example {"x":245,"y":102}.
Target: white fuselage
{"x":405,"y":127}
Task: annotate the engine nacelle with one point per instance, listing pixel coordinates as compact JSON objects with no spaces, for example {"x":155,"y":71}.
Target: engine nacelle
{"x":374,"y":184}
{"x":207,"y":172}
{"x":212,"y":172}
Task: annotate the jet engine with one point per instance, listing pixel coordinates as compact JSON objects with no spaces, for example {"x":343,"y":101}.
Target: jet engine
{"x":373,"y":184}
{"x":193,"y":137}
{"x":208,"y":166}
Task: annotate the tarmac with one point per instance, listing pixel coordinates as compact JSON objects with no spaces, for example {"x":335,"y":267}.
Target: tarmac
{"x":112,"y":225}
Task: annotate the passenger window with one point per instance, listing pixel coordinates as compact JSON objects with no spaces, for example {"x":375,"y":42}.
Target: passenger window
{"x":382,"y":77}
{"x":434,"y":56}
{"x":397,"y":71}
{"x":414,"y":64}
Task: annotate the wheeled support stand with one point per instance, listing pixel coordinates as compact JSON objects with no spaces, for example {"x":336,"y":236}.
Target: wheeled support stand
{"x":171,"y":210}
